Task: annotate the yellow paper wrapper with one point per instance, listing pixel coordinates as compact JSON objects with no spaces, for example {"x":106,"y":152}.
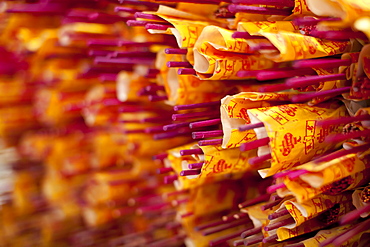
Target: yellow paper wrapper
{"x":234,"y":114}
{"x":291,"y":129}
{"x":266,"y":26}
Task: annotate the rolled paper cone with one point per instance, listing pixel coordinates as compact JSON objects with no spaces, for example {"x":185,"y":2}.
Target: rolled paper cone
{"x":226,"y":226}
{"x":156,"y":98}
{"x":160,"y":156}
{"x":276,"y":3}
{"x":190,"y":172}
{"x":310,"y":21}
{"x":196,"y":106}
{"x":246,"y":35}
{"x":174,"y":64}
{"x":261,"y":198}
{"x":271,"y":204}
{"x":125,"y":9}
{"x":343,"y":120}
{"x":321,"y":63}
{"x":170,"y":179}
{"x":205,"y":123}
{"x":160,"y":27}
{"x":270,"y":239}
{"x":251,"y":232}
{"x":253,"y":240}
{"x":210,"y":142}
{"x":238,"y":242}
{"x":207,"y":134}
{"x":361,"y":227}
{"x":259,"y":160}
{"x":278,"y":224}
{"x":338,"y":35}
{"x":279,"y":74}
{"x":255,"y":144}
{"x":175,"y":126}
{"x":148,"y":16}
{"x":354,"y":215}
{"x":176,"y":51}
{"x":196,"y":165}
{"x":164,"y":170}
{"x":192,"y":115}
{"x":278,"y":214}
{"x":223,"y":239}
{"x":326,"y":93}
{"x":233,"y":8}
{"x":273,"y":88}
{"x":191,"y":151}
{"x":313,"y":80}
{"x":343,"y":137}
{"x":251,"y":126}
{"x":186,"y":71}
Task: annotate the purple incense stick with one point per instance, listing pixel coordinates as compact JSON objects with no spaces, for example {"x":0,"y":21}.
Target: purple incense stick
{"x":313,"y":80}
{"x":326,"y":93}
{"x":205,"y":123}
{"x":251,"y":126}
{"x":321,"y":63}
{"x":191,"y":151}
{"x":207,"y":134}
{"x":255,"y":144}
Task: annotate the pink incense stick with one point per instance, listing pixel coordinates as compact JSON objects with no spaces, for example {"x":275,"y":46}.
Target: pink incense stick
{"x":186,"y":214}
{"x":325,"y":93}
{"x":176,"y":51}
{"x":209,"y":225}
{"x":321,"y":63}
{"x":246,"y":35}
{"x":196,"y":165}
{"x":125,"y":9}
{"x":255,"y":144}
{"x":271,"y":204}
{"x":296,"y":174}
{"x":343,"y":152}
{"x":361,"y":227}
{"x":99,"y":53}
{"x":210,"y":142}
{"x":226,"y":226}
{"x":354,"y":215}
{"x":343,"y":120}
{"x":207,"y":134}
{"x":160,"y":156}
{"x":191,"y":151}
{"x":313,"y":80}
{"x":196,"y":106}
{"x":190,"y":172}
{"x":233,"y":8}
{"x":343,"y":137}
{"x":170,"y":179}
{"x":251,"y":232}
{"x":164,"y":170}
{"x":152,"y":5}
{"x":338,"y":35}
{"x":174,"y":64}
{"x":253,"y":73}
{"x":271,"y":189}
{"x":134,"y":54}
{"x":238,"y":242}
{"x":277,"y":3}
{"x":270,"y":239}
{"x":253,"y":240}
{"x":261,"y":198}
{"x":279,"y":74}
{"x":259,"y":159}
{"x":205,"y":123}
{"x":310,"y":21}
{"x":156,"y":207}
{"x":138,"y":60}
{"x":251,"y":126}
{"x":223,"y":239}
{"x":273,"y":88}
{"x":263,"y":46}
{"x":175,"y":126}
{"x":278,"y":214}
{"x":41,"y":8}
{"x":240,"y":215}
{"x":172,"y":134}
{"x":194,"y":115}
{"x":157,"y":98}
{"x":161,"y":27}
{"x":186,"y":71}
{"x":154,"y":119}
{"x":278,"y":224}
{"x":148,"y":16}
{"x":155,"y":129}
{"x":136,"y":23}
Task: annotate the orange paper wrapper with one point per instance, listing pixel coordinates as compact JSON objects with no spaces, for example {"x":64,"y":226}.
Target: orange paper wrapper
{"x":291,"y":129}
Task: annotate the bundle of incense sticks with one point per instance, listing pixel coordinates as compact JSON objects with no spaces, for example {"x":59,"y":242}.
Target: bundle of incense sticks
{"x":185,"y":123}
